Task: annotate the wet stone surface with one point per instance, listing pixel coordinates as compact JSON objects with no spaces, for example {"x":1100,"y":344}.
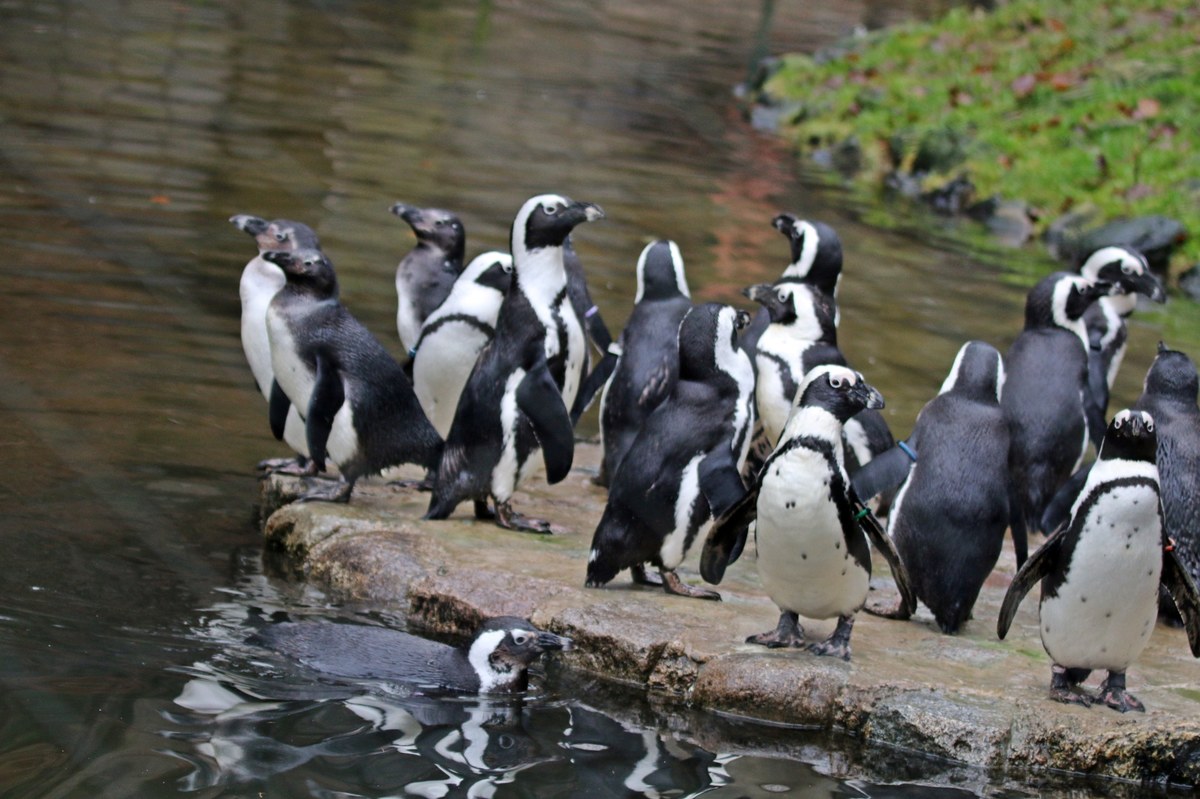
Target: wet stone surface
{"x":970,"y":698}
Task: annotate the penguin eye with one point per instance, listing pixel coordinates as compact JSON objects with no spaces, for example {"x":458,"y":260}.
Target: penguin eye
{"x":550,"y":210}
{"x":836,"y":382}
{"x":281,"y":236}
{"x":1127,"y":268}
{"x":507,"y":269}
{"x":520,"y":639}
{"x":1149,"y":427}
{"x":782,"y":295}
{"x":1117,"y":423}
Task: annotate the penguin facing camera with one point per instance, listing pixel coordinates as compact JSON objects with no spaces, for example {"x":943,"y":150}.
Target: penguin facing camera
{"x":426,"y":273}
{"x":810,"y":528}
{"x":1100,"y":573}
{"x":684,"y":468}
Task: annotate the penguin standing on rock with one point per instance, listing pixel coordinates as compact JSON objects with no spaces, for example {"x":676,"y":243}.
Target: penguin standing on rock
{"x":1046,"y":399}
{"x":517,"y":398}
{"x":588,"y":313}
{"x":359,"y":407}
{"x":453,"y":335}
{"x":1100,"y":574}
{"x":948,"y":520}
{"x":261,"y":280}
{"x":648,"y":363}
{"x":813,"y":555}
{"x":684,"y":468}
{"x":426,"y":274}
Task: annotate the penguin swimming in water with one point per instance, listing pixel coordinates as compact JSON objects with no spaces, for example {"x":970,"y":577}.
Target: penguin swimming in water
{"x":517,"y":398}
{"x":813,"y":555}
{"x":260,"y":281}
{"x":1100,"y":573}
{"x":648,"y":364}
{"x":359,"y":407}
{"x":684,"y":468}
{"x":496,"y":660}
{"x":1046,"y":399}
{"x":949,"y":518}
{"x":453,"y":335}
{"x":426,"y":274}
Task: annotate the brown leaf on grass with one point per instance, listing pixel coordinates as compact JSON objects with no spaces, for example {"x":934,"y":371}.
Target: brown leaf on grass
{"x":1147,"y":108}
{"x":1138,"y":191}
{"x":960,"y":96}
{"x":1061,"y":81}
{"x":1023,"y":85}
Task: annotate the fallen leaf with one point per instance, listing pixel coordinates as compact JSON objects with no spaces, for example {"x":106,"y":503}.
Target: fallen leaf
{"x":1138,"y":190}
{"x":1147,"y":108}
{"x":1023,"y":85}
{"x":1061,"y":81}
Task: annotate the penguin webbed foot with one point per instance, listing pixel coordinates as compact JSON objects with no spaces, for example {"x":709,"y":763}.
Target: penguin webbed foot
{"x":323,"y":490}
{"x":1065,"y":686}
{"x":642,"y":577}
{"x":424,"y":484}
{"x":298,"y":466}
{"x":899,"y":610}
{"x":788,"y":633}
{"x":838,"y":644}
{"x":1113,"y":694}
{"x":509,"y":519}
{"x":673,"y":585}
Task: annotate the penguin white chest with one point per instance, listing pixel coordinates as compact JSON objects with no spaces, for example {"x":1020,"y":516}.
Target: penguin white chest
{"x":259,"y":284}
{"x":441,"y":369}
{"x":294,"y":376}
{"x":803,"y":559}
{"x":575,"y":353}
{"x":1103,"y":613}
{"x":408,"y":318}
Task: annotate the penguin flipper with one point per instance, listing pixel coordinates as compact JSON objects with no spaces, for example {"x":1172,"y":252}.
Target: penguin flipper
{"x":327,"y":398}
{"x":1183,"y":590}
{"x":727,"y":537}
{"x":539,"y":399}
{"x":1058,"y":512}
{"x":1033,"y":570}
{"x":883,"y":473}
{"x":277,"y":410}
{"x":594,"y":382}
{"x":880,"y":540}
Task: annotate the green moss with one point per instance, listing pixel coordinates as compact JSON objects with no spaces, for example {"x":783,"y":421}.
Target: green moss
{"x":1056,"y":102}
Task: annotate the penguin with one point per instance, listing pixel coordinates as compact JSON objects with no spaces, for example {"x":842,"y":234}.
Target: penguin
{"x":496,"y":660}
{"x":453,"y":335}
{"x":648,"y":361}
{"x":588,"y":313}
{"x":684,"y":468}
{"x":426,"y":274}
{"x":1100,"y":573}
{"x":1045,"y":398}
{"x":359,"y":407}
{"x":949,"y":518}
{"x":260,"y":281}
{"x":1130,"y":276}
{"x":519,"y":393}
{"x":813,"y":555}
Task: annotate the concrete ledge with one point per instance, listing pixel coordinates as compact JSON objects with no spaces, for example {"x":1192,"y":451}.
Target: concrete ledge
{"x":970,"y":699}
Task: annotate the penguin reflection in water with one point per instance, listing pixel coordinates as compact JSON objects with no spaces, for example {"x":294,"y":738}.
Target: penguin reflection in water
{"x":1100,"y":573}
{"x":813,"y":555}
{"x":359,"y":408}
{"x":684,"y":467}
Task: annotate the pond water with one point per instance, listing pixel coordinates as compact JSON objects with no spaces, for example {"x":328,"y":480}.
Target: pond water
{"x":132,"y":130}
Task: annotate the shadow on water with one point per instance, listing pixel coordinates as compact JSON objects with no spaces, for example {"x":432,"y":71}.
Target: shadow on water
{"x":133,"y":130}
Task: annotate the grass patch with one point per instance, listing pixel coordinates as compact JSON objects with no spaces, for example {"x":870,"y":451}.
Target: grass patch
{"x":1056,"y":102}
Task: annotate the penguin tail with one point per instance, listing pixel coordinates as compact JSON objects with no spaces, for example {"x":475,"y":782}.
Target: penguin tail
{"x":604,"y":561}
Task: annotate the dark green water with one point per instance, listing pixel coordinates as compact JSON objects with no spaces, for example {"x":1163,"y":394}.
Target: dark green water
{"x":129,"y":133}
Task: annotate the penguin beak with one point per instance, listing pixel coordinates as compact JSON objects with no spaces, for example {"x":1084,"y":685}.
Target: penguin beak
{"x":580,"y":212}
{"x":409,"y":213}
{"x":249,"y":224}
{"x":548,"y":641}
{"x":868,"y":395}
{"x":783,"y":223}
{"x":280,"y":258}
{"x":759,"y":293}
{"x":1150,"y":286}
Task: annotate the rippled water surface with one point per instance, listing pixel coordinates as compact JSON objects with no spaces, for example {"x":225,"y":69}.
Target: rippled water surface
{"x":131,"y":131}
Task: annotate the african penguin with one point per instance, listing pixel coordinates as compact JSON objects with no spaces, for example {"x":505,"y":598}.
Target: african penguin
{"x":684,"y":467}
{"x":1046,"y":397}
{"x":426,"y":274}
{"x":813,"y":556}
{"x":453,"y":335}
{"x":648,"y":361}
{"x":517,"y":397}
{"x":496,"y":660}
{"x":359,"y":407}
{"x":597,"y":371}
{"x":1130,"y":275}
{"x":260,"y":281}
{"x":1100,"y":574}
{"x":949,"y":517}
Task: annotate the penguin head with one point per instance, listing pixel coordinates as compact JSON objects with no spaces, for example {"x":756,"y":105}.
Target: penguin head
{"x":708,"y":342}
{"x":660,"y":272}
{"x":492,"y":270}
{"x":978,"y":372}
{"x":839,"y":390}
{"x":792,"y":302}
{"x":278,"y":234}
{"x":816,"y":251}
{"x":546,"y":220}
{"x":434,"y":226}
{"x":1126,"y":270}
{"x":1131,"y":437}
{"x":503,"y":648}
{"x":307,"y":269}
{"x":1060,"y":300}
{"x":1172,"y":375}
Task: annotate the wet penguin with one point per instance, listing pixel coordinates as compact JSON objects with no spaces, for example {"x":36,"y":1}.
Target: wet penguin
{"x":1046,"y":397}
{"x":260,"y":281}
{"x":517,"y":398}
{"x":1100,"y":574}
{"x":426,"y":274}
{"x":496,"y":660}
{"x":949,"y":518}
{"x":810,"y":529}
{"x":1130,"y":276}
{"x":453,"y":335}
{"x":684,"y":467}
{"x":359,"y":407}
{"x":648,"y":363}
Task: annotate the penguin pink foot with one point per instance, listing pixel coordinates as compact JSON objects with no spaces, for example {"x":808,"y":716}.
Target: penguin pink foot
{"x":509,"y":519}
{"x":673,"y":585}
{"x":788,"y":633}
{"x":838,"y":644}
{"x":1065,"y":688}
{"x":1113,"y":694}
{"x":299,"y":466}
